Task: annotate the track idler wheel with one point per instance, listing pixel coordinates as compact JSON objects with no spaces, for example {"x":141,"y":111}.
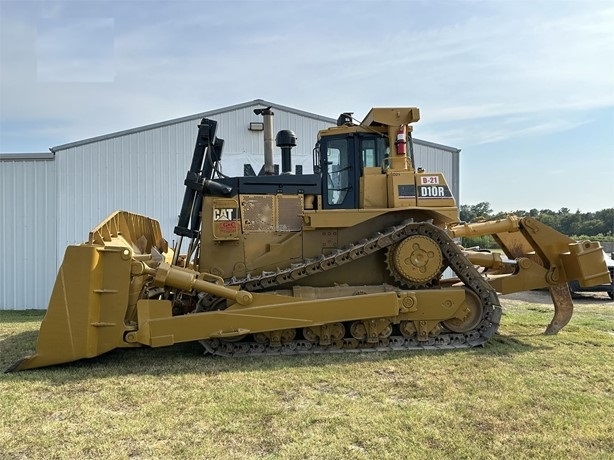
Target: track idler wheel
{"x":471,"y":315}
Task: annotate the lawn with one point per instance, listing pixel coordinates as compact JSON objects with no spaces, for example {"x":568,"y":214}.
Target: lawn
{"x":524,"y":395}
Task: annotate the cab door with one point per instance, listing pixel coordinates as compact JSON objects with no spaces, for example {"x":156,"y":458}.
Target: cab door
{"x":340,"y":173}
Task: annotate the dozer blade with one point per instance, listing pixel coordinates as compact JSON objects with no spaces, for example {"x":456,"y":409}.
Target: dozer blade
{"x":93,"y":300}
{"x":563,"y":308}
{"x":85,"y":317}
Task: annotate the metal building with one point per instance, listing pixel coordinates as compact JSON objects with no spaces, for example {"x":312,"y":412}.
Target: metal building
{"x":50,"y":201}
{"x":28,"y":230}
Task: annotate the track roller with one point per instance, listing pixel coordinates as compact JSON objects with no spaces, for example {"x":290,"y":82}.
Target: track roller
{"x":371,"y":330}
{"x":326,"y":334}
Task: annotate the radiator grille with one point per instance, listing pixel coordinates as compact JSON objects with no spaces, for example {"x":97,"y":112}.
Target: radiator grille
{"x":289,"y":210}
{"x":258,"y":213}
{"x":271,"y":213}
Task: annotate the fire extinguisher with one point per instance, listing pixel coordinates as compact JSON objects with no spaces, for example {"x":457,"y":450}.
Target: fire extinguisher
{"x":401,"y":142}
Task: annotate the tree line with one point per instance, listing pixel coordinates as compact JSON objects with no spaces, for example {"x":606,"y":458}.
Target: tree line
{"x":597,"y":226}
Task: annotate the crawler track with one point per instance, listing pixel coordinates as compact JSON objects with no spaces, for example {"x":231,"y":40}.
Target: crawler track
{"x":453,"y":258}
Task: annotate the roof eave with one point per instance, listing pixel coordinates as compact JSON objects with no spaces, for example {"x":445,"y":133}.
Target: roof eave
{"x":26,"y":156}
{"x":255,"y":102}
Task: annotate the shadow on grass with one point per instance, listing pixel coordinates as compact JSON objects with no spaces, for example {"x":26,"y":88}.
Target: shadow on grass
{"x":187,"y":358}
{"x":21,"y":316}
{"x":15,"y":347}
{"x":589,"y":298}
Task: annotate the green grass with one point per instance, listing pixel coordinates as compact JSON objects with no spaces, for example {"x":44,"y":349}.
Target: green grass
{"x":524,"y":395}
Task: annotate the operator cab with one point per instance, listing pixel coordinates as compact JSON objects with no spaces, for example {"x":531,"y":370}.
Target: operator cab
{"x":341,"y":159}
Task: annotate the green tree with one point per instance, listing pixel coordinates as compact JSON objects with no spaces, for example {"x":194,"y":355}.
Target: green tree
{"x":606,"y":216}
{"x":480,"y":211}
{"x":598,"y":225}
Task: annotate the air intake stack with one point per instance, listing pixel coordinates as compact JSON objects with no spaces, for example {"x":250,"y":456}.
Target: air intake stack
{"x":285,"y":140}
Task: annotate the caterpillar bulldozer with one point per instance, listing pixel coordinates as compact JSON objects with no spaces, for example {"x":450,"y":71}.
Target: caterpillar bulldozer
{"x":363,"y":254}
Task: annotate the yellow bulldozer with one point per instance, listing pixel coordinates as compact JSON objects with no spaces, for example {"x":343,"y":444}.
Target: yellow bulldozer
{"x":363,"y":254}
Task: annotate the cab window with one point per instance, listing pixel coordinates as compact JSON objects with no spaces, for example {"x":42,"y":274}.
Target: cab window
{"x":373,"y":150}
{"x":338,"y":171}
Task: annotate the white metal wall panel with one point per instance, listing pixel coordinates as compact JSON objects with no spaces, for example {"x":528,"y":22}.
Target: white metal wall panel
{"x":28,"y":234}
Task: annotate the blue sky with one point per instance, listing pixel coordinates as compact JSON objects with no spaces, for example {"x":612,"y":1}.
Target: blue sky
{"x":524,"y":88}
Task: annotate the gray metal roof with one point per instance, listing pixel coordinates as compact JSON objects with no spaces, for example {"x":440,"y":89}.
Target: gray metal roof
{"x":447,"y":148}
{"x":26,"y":156}
{"x":196,"y":116}
{"x":210,"y":113}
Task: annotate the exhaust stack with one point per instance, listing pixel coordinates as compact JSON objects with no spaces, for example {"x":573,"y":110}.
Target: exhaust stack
{"x":267,"y":115}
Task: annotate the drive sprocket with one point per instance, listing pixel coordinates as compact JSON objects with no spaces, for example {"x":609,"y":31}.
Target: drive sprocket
{"x":415,"y":262}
